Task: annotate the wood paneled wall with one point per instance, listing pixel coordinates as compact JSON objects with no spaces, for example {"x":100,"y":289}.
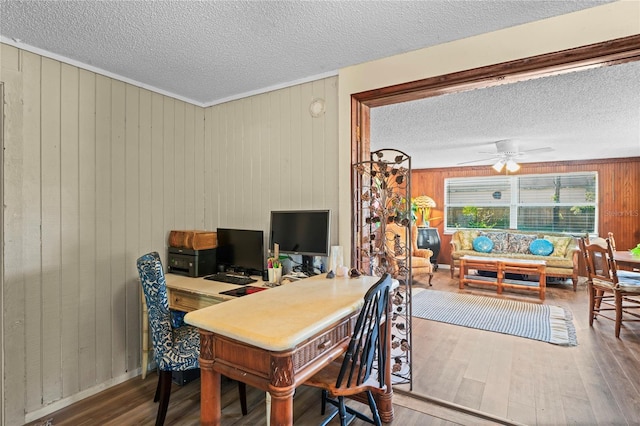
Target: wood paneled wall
{"x":96,"y":173}
{"x":618,"y":190}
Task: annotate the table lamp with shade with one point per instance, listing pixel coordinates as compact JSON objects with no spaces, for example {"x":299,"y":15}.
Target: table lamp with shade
{"x":424,"y":204}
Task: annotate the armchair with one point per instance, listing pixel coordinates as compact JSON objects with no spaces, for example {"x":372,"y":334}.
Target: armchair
{"x":396,"y":240}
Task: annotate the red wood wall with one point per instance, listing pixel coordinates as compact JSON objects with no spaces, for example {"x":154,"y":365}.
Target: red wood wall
{"x":618,"y":190}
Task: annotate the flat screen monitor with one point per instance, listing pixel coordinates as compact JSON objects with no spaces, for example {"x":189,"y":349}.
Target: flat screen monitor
{"x":303,"y":232}
{"x":241,"y":250}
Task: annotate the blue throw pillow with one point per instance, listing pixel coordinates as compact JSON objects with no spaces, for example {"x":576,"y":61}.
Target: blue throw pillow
{"x":483,"y":244}
{"x":541,"y":247}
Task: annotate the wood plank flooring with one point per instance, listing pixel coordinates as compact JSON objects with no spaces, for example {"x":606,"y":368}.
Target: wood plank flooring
{"x":461,"y":376}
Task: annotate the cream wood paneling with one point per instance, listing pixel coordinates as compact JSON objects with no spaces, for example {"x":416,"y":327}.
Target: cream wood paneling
{"x":96,"y":173}
{"x":14,"y":280}
{"x":69,"y":228}
{"x":268,"y":153}
{"x":87,"y":230}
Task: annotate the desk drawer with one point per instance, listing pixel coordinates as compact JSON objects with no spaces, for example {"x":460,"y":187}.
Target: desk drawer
{"x":316,"y":347}
{"x":187,"y":302}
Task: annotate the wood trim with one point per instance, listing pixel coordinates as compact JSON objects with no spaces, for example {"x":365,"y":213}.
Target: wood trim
{"x":607,"y":53}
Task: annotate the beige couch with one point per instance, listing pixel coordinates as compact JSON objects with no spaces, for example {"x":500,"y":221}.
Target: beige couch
{"x":512,"y":244}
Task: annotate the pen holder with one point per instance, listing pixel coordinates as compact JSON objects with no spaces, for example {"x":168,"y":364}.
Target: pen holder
{"x":275,"y":275}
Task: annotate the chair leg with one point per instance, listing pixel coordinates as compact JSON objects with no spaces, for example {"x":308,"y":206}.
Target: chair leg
{"x":374,"y":409}
{"x":323,"y":407}
{"x":156,"y":397}
{"x":342,"y":411}
{"x":592,"y":302}
{"x":164,"y":384}
{"x":242,"y":392}
{"x":618,"y":299}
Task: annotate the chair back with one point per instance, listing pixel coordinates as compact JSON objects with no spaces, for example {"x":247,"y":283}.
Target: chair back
{"x":600,"y":264}
{"x":155,"y":293}
{"x":366,"y":355}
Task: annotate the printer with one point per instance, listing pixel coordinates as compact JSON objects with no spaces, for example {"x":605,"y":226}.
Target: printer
{"x":192,"y":263}
{"x":192,"y":253}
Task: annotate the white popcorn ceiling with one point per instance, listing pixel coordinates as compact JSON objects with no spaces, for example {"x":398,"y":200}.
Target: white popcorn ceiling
{"x":207,"y":52}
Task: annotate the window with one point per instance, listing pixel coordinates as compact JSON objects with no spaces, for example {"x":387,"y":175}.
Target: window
{"x":551,"y":202}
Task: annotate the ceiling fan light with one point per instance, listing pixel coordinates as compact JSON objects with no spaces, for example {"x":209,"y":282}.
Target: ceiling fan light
{"x":512,"y":166}
{"x":499,"y":165}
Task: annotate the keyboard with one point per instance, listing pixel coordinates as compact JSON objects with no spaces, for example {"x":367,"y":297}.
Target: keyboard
{"x":230,"y":279}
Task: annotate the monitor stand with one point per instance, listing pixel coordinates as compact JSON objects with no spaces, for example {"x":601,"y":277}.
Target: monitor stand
{"x":307,"y":265}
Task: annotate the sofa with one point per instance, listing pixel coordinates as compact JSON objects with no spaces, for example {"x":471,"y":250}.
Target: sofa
{"x":559,"y":251}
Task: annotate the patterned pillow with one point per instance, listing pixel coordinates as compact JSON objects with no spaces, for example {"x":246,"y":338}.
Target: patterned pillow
{"x":560,"y":245}
{"x":519,"y":243}
{"x":541,"y":247}
{"x":500,"y":241}
{"x":465,"y":238}
{"x":482,"y":244}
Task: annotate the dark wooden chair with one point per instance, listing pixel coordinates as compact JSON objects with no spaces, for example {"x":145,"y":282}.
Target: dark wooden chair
{"x":361,"y":369}
{"x":610,"y":291}
{"x":174,"y":348}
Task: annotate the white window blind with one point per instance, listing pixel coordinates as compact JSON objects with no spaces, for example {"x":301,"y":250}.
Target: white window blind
{"x":551,"y":202}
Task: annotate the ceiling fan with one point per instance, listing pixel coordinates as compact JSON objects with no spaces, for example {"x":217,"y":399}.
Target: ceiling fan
{"x":507,"y":153}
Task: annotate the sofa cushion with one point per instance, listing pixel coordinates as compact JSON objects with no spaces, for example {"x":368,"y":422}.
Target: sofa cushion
{"x":465,"y":238}
{"x":560,"y":245}
{"x":483,"y":244}
{"x":519,"y":243}
{"x":500,"y":241}
{"x":541,"y":247}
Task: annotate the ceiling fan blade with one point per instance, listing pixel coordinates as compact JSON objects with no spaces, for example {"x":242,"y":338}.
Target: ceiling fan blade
{"x":476,"y":161}
{"x":545,"y":149}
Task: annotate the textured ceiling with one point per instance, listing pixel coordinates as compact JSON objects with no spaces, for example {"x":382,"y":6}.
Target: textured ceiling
{"x":208,"y":52}
{"x":581,"y":115}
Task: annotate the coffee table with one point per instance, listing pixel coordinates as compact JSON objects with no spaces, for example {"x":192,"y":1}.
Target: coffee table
{"x":501,"y":267}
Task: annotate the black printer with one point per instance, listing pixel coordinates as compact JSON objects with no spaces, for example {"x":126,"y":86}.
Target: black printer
{"x":192,"y":263}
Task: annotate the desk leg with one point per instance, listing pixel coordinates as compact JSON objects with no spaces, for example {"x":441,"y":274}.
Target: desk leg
{"x":145,"y":336}
{"x":210,"y":406}
{"x":282,"y":408}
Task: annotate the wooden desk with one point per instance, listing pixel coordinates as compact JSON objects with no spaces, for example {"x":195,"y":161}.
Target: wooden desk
{"x":186,"y":294}
{"x":275,"y":340}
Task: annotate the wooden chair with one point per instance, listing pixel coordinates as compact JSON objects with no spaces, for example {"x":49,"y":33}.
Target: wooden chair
{"x":396,"y":241}
{"x":174,"y":349}
{"x":609,"y":290}
{"x":361,"y":369}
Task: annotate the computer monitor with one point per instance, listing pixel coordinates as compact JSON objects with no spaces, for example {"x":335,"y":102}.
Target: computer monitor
{"x":303,"y":232}
{"x":241,"y":250}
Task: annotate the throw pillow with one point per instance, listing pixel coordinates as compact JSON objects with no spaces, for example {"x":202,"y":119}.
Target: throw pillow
{"x":465,"y":239}
{"x":519,"y":243}
{"x":500,"y":241}
{"x":482,"y":244}
{"x":560,"y":245}
{"x":541,"y":247}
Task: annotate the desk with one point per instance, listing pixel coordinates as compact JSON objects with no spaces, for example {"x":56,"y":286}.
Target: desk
{"x":626,"y":258}
{"x":275,"y":340}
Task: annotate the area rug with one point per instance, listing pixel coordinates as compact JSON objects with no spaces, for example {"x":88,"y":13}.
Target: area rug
{"x":547,"y":323}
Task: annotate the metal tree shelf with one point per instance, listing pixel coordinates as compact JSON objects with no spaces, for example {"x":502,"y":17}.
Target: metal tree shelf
{"x":383,"y":196}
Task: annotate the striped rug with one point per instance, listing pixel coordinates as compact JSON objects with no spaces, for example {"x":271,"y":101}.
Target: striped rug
{"x":552,"y":324}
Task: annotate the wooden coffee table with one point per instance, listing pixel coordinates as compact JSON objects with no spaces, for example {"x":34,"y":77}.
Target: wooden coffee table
{"x":501,"y":267}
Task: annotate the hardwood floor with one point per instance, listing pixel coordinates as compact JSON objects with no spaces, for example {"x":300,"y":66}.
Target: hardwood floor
{"x":461,"y":376}
{"x":527,"y":381}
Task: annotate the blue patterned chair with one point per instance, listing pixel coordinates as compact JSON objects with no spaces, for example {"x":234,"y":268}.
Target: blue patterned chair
{"x":174,"y":349}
